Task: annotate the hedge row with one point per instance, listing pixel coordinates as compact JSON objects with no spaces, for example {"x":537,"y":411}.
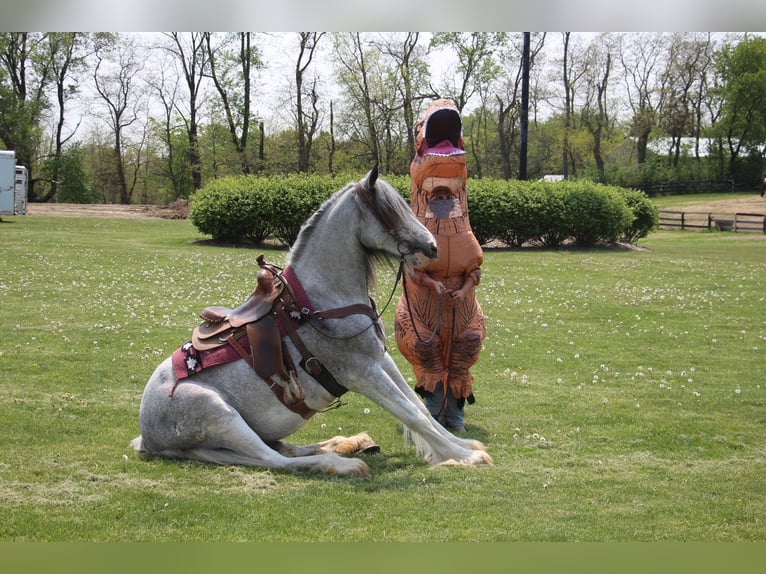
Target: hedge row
{"x":549,"y":213}
{"x":248,"y":208}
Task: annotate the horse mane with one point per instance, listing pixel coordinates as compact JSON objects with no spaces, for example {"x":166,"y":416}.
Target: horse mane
{"x":385,"y":204}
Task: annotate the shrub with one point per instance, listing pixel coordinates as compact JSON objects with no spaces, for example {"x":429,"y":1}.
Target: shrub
{"x":232,"y":209}
{"x":594,"y":212}
{"x":294,"y":199}
{"x":645,"y":215}
{"x":485,"y":210}
{"x":249,"y":208}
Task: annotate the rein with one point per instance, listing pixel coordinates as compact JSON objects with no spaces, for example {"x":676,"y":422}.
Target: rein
{"x":358,"y":309}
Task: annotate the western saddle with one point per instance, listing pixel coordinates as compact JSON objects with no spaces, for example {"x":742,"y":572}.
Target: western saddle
{"x":269,"y":314}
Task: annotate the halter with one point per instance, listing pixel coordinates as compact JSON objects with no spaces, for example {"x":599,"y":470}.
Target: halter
{"x":364,"y":195}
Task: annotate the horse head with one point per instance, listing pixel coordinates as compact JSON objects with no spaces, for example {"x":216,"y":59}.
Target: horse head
{"x":404,"y":235}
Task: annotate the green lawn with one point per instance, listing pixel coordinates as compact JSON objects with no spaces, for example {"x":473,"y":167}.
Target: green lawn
{"x":620,"y":392}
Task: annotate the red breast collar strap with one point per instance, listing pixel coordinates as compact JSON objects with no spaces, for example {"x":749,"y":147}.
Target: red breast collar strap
{"x":301,"y":298}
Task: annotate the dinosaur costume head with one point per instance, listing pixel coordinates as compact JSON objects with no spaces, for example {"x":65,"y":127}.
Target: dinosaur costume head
{"x":438,"y":171}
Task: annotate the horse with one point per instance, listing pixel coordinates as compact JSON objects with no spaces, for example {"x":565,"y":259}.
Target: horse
{"x":230,"y":415}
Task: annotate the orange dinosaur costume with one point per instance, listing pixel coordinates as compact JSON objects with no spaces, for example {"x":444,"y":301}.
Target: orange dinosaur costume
{"x":439,"y":323}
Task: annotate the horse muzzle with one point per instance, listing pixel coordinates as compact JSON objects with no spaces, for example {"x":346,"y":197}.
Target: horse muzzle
{"x":420,"y":256}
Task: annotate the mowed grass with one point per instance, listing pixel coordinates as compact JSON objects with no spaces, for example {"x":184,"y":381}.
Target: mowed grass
{"x":620,"y":392}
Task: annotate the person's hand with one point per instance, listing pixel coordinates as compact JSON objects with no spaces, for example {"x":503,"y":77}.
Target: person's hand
{"x":456,"y":297}
{"x":439,"y":287}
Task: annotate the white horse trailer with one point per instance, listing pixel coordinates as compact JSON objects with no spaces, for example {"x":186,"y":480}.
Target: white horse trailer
{"x":7,"y":182}
{"x":13,"y":185}
{"x":20,"y":198}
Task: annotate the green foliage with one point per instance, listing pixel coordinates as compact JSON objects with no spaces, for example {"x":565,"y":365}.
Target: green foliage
{"x":233,"y":209}
{"x":401,"y":183}
{"x":293,"y":199}
{"x":519,"y":212}
{"x":249,"y":208}
{"x":646,"y":216}
{"x":69,"y":170}
{"x":593,"y":212}
{"x":485,"y":209}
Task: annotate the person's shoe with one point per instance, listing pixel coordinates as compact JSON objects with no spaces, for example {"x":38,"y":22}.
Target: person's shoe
{"x":456,"y":428}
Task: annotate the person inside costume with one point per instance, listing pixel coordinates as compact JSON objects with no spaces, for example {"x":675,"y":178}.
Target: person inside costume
{"x":439,"y":323}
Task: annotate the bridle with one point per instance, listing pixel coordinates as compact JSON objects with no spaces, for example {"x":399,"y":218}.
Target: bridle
{"x":388,"y":226}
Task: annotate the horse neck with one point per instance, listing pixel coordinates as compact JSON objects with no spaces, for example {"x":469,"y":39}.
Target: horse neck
{"x":332,"y":265}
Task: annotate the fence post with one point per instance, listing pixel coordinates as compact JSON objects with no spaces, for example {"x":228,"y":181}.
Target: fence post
{"x":682,"y":221}
{"x":709,"y":221}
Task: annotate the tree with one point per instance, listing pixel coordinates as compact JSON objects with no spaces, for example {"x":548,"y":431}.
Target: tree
{"x":370,"y":107}
{"x":169,"y":127}
{"x":684,"y":70}
{"x":25,"y":76}
{"x":508,"y":98}
{"x":116,"y":83}
{"x":66,"y":53}
{"x":572,"y":71}
{"x":476,"y":65}
{"x":640,"y":55}
{"x":306,"y":113}
{"x":189,"y":50}
{"x":741,"y":70}
{"x":231,"y":70}
{"x":411,"y":68}
{"x":594,"y":113}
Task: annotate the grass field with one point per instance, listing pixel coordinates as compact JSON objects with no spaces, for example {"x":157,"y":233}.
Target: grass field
{"x":620,"y":392}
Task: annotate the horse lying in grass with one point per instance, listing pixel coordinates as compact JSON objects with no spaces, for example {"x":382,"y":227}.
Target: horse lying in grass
{"x":235,"y":413}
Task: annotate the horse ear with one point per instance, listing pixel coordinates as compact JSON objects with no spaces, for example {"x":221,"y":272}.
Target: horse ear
{"x":372,"y":177}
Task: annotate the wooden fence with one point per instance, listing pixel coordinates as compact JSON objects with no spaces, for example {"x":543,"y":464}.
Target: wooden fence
{"x":687,"y":187}
{"x":748,"y":222}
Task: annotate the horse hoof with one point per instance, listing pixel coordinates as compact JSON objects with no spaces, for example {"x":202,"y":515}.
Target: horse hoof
{"x":372,"y":449}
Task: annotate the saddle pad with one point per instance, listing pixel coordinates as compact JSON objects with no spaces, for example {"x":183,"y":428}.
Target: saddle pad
{"x":188,"y":361}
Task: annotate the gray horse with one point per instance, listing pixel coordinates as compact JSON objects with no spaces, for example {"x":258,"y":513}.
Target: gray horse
{"x":227,"y":414}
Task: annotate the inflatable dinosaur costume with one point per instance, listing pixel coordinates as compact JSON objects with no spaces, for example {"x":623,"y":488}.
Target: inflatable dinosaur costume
{"x":439,"y":323}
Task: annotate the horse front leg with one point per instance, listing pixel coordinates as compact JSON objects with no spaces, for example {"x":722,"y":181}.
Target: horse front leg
{"x":434,"y":442}
{"x":390,"y":368}
{"x":343,"y":445}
